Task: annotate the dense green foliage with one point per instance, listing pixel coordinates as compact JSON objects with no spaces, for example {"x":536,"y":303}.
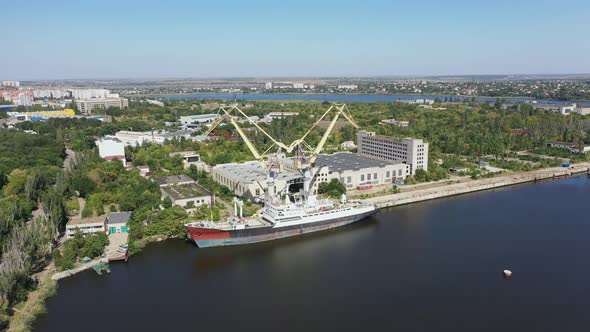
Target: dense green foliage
{"x":80,"y":246}
{"x":22,"y":150}
{"x":32,"y":180}
{"x":333,"y":189}
{"x":25,"y":252}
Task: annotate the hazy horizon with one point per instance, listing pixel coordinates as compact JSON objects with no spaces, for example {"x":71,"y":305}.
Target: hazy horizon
{"x":299,"y":77}
{"x":261,"y":39}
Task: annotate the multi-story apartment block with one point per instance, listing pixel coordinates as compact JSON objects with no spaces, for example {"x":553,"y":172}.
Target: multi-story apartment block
{"x":88,"y":105}
{"x":412,"y":151}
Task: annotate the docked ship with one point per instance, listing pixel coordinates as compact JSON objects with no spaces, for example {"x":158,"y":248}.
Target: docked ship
{"x":280,"y":218}
{"x":284,"y":214}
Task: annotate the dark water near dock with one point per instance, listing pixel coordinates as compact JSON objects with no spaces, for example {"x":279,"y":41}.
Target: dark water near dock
{"x":350,"y":98}
{"x":432,"y":266}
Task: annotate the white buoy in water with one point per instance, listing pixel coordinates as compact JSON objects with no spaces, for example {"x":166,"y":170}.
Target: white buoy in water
{"x":507,"y":273}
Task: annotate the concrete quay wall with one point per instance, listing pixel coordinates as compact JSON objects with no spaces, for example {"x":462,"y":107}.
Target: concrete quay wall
{"x":476,"y":185}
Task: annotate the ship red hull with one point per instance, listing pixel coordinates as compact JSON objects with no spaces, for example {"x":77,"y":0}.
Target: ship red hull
{"x":198,"y":233}
{"x":210,"y":237}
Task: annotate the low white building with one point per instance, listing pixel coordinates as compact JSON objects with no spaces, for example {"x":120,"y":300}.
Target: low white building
{"x":165,"y":181}
{"x":200,"y":119}
{"x":155,"y":102}
{"x":188,"y":158}
{"x":416,"y":101}
{"x":116,"y":222}
{"x":394,"y":122}
{"x":347,"y":86}
{"x":561,"y":108}
{"x":347,"y":145}
{"x":86,"y":225}
{"x":280,"y":115}
{"x":135,"y":138}
{"x":573,"y":148}
{"x":187,"y":196}
{"x":109,"y":149}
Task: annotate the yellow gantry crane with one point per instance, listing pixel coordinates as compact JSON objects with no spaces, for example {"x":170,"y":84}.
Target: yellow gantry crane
{"x":226,"y":114}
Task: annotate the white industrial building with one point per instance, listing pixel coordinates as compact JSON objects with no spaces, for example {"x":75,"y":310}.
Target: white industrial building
{"x":155,"y":102}
{"x":561,"y":108}
{"x":355,"y":171}
{"x":412,"y":151}
{"x":200,"y":119}
{"x":135,"y":138}
{"x":280,"y":115}
{"x":109,"y":149}
{"x":347,"y":86}
{"x":416,"y":101}
{"x":89,"y":105}
{"x":250,"y":180}
{"x":397,"y":123}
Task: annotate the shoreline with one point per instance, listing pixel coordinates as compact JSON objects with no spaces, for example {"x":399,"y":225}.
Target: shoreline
{"x":165,"y":95}
{"x":28,"y":311}
{"x":477,"y":185}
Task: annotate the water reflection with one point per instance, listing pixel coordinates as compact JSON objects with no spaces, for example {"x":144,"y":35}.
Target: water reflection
{"x":307,"y":245}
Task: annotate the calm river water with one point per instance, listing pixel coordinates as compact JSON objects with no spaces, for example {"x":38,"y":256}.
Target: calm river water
{"x":432,"y":266}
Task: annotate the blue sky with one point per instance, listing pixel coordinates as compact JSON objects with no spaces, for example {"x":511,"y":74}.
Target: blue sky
{"x":175,"y":38}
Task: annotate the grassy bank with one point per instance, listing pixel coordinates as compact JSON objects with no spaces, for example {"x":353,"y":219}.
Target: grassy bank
{"x":27,"y":312}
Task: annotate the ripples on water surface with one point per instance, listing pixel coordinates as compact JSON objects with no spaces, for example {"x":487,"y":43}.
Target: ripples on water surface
{"x":432,"y":266}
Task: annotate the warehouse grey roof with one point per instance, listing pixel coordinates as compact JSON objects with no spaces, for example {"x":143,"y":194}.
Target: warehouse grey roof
{"x":184,"y":191}
{"x":173,"y":179}
{"x":346,"y":161}
{"x":250,"y":172}
{"x":118,"y":218}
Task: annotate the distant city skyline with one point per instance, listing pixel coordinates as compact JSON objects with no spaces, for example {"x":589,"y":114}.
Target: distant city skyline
{"x":258,"y":39}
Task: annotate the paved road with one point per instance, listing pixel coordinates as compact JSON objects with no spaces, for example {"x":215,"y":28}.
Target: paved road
{"x":70,"y":154}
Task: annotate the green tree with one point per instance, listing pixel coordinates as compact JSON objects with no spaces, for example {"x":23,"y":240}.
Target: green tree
{"x":334,"y":188}
{"x":167,"y":202}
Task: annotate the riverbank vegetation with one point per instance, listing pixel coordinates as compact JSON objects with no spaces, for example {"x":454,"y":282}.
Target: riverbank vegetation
{"x":27,"y":312}
{"x":37,"y":194}
{"x":79,"y":247}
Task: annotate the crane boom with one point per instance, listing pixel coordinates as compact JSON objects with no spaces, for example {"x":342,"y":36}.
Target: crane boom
{"x":300,"y":140}
{"x":227,"y":115}
{"x":277,"y":143}
{"x":341,"y":110}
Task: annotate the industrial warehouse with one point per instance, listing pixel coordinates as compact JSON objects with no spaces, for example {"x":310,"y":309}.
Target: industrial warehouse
{"x":355,"y":171}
